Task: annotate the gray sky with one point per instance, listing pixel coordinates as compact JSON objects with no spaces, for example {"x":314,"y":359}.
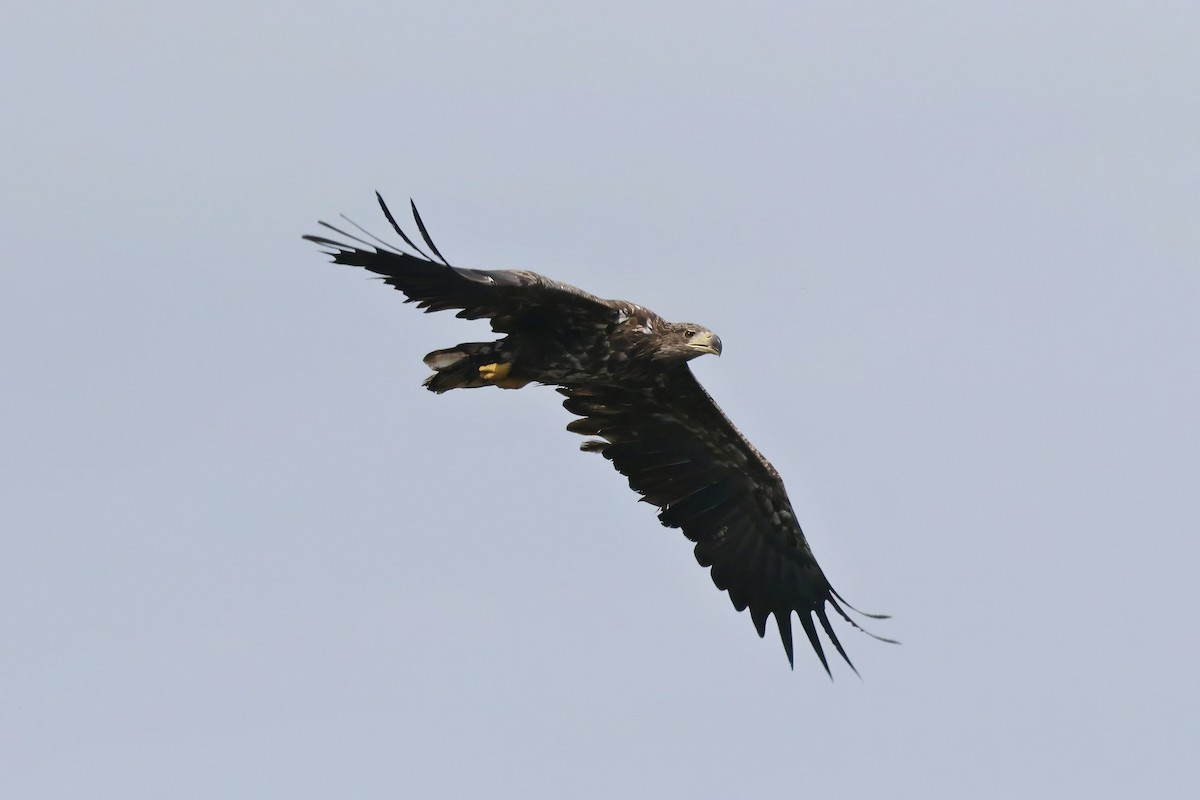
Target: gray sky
{"x":951,"y":249}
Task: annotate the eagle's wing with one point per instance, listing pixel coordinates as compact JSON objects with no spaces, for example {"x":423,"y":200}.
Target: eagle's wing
{"x":684,"y":455}
{"x":511,"y":299}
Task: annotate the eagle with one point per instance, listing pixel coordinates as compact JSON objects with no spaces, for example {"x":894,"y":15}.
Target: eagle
{"x":624,"y":372}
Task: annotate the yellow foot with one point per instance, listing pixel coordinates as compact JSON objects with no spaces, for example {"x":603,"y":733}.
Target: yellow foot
{"x":498,"y":374}
{"x":495,"y":372}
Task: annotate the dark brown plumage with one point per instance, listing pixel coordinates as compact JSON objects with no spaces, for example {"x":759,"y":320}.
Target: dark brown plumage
{"x":623,"y":370}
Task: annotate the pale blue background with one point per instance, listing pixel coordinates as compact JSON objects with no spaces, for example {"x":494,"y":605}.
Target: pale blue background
{"x":951,"y":248}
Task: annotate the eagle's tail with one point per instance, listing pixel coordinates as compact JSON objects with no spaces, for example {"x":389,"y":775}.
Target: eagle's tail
{"x":464,"y":366}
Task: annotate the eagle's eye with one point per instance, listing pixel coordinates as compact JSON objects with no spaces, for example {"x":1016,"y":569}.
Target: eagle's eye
{"x":688,"y":334}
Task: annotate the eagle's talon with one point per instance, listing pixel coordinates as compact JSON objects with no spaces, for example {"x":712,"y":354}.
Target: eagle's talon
{"x":495,"y":372}
{"x":498,"y":375}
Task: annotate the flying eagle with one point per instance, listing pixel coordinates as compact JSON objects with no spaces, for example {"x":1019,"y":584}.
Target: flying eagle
{"x":624,"y":372}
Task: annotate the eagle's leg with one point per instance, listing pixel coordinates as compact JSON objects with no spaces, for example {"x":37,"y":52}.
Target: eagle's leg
{"x":498,"y":375}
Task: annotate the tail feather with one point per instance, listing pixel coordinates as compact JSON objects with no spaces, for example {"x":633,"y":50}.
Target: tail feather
{"x":458,"y":367}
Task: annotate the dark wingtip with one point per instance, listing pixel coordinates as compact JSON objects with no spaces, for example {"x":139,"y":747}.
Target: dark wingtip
{"x":868,"y":614}
{"x":783,"y":621}
{"x":834,"y":599}
{"x":387,"y":212}
{"x":425,"y":233}
{"x":810,"y":630}
{"x":824,"y":620}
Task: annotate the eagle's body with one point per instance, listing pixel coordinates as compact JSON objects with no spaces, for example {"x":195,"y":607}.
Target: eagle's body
{"x":623,"y":370}
{"x":601,"y":345}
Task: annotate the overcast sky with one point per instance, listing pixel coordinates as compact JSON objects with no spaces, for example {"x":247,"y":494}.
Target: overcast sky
{"x":952,"y":251}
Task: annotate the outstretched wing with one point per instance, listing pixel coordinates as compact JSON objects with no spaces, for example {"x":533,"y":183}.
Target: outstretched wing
{"x":684,"y":455}
{"x":511,"y":299}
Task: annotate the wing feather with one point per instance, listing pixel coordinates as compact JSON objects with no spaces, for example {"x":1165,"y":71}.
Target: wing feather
{"x":511,"y":299}
{"x":682,"y":454}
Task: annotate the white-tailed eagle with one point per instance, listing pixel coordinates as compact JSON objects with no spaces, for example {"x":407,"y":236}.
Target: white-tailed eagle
{"x":624,"y":372}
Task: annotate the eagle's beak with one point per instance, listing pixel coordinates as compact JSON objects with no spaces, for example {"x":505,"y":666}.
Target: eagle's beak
{"x":706,"y":342}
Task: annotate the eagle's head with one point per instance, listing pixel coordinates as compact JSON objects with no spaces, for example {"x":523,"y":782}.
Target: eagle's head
{"x":683,"y":341}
